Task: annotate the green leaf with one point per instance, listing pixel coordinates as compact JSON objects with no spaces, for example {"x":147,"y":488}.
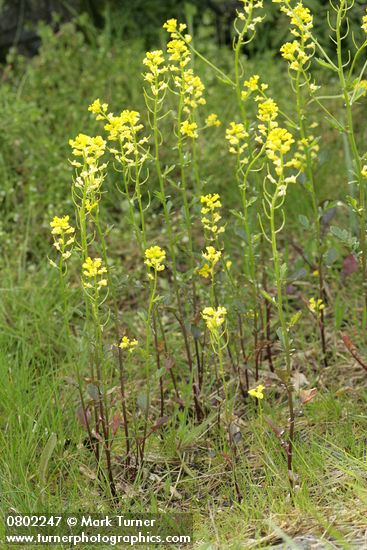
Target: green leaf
{"x":283,"y":271}
{"x":267,"y":296}
{"x":295,"y":318}
{"x":45,"y":458}
{"x":304,"y":221}
{"x":325,"y":64}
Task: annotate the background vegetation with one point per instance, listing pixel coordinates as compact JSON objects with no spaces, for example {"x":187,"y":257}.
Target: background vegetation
{"x":84,"y":53}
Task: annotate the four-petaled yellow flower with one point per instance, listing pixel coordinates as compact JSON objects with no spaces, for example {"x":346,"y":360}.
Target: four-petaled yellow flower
{"x":155,"y":257}
{"x":257,"y":392}
{"x":214,"y":318}
{"x":127,"y":344}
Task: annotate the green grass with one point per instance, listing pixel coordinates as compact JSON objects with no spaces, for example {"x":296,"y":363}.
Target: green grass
{"x":41,"y":109}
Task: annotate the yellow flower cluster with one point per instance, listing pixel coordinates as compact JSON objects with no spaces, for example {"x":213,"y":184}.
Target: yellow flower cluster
{"x":364,"y":23}
{"x":189,"y":86}
{"x":295,"y":54}
{"x":173,"y":29}
{"x":91,"y":177}
{"x":127,"y":344}
{"x":301,"y":18}
{"x":299,"y":160}
{"x":247,"y":13}
{"x":212,"y":120}
{"x":236,"y":136}
{"x":154,"y":258}
{"x":154,"y":61}
{"x":212,"y":256}
{"x":123,"y":129}
{"x":214,"y":318}
{"x":63,"y":234}
{"x":278,"y":144}
{"x":316,"y":305}
{"x":209,"y":215}
{"x":97,"y":107}
{"x":253,"y":85}
{"x":192,"y":88}
{"x":189,"y":129}
{"x":257,"y":392}
{"x":93,"y":269}
{"x":90,"y":148}
{"x":267,"y":110}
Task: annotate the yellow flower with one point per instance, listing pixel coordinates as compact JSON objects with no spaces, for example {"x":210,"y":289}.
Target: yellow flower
{"x":316,"y":305}
{"x":301,"y":17}
{"x":93,"y":269}
{"x":189,"y":129}
{"x":268,"y":110}
{"x":252,"y":83}
{"x":96,"y":107}
{"x":171,"y":27}
{"x":63,"y":234}
{"x":212,"y":255}
{"x":205,"y":271}
{"x":292,"y":52}
{"x":128,"y":344}
{"x":192,"y":88}
{"x":364,"y":23}
{"x":211,"y":205}
{"x":212,"y":202}
{"x":155,"y":257}
{"x":235,"y":133}
{"x":315,"y":273}
{"x":61,"y":225}
{"x":361,"y":88}
{"x":279,"y":140}
{"x":278,"y":144}
{"x":212,"y":120}
{"x":257,"y":392}
{"x":154,"y":61}
{"x":91,"y":148}
{"x":364,"y":171}
{"x":214,"y":318}
{"x":179,"y":52}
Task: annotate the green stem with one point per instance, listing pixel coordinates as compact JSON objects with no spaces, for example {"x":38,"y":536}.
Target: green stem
{"x":355,"y":153}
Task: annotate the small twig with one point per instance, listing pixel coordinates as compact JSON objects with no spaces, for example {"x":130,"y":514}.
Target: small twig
{"x":353,"y":351}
